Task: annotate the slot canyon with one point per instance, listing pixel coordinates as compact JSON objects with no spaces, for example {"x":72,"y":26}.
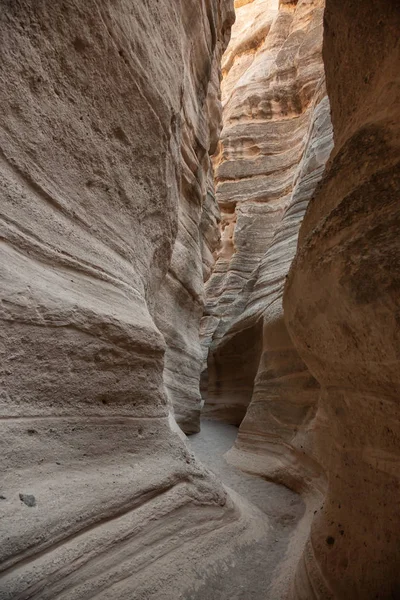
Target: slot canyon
{"x":200,"y":300}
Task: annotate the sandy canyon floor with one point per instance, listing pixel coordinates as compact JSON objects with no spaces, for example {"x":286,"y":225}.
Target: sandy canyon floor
{"x":261,"y":572}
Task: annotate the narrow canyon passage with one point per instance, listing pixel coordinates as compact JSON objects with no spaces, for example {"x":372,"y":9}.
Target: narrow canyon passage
{"x":254,"y":573}
{"x":199,"y":219}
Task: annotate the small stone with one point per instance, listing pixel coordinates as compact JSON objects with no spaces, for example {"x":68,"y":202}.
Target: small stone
{"x":28,"y":499}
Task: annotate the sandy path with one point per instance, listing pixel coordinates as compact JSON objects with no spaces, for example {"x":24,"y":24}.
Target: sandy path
{"x":249,"y":577}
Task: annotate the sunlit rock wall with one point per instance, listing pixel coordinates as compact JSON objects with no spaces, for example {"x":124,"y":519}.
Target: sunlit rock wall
{"x":275,"y":142}
{"x":277,"y":435}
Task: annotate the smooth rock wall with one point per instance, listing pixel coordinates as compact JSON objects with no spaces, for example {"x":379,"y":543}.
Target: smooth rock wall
{"x":276,"y":438}
{"x":275,"y":142}
{"x":107,"y":120}
{"x":342,"y":305}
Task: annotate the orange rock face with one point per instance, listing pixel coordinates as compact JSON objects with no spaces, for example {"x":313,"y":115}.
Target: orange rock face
{"x":314,"y":386}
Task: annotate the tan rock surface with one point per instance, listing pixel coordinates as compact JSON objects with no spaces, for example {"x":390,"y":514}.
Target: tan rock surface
{"x":275,"y":142}
{"x":100,"y":496}
{"x":181,"y":299}
{"x":276,"y":436}
{"x":341,"y":307}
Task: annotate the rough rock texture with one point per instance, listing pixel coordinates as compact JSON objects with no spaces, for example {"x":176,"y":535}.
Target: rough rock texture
{"x":275,"y":142}
{"x":181,"y":300}
{"x":104,"y":121}
{"x":342,"y":307}
{"x":276,"y":436}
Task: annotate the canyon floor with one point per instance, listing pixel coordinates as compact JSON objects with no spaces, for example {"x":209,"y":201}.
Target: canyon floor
{"x":262,"y":571}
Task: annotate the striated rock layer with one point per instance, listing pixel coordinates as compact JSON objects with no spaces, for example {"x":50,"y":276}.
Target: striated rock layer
{"x":275,"y":142}
{"x":342,"y":307}
{"x":276,"y":437}
{"x":181,"y":299}
{"x":108,"y":116}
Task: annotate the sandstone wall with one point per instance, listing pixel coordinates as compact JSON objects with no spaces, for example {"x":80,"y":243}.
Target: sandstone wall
{"x":275,"y":142}
{"x":276,"y":438}
{"x":181,"y":299}
{"x":342,"y":305}
{"x":106,"y":123}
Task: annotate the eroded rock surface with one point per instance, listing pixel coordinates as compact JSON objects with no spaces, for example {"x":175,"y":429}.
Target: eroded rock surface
{"x":108,"y":116}
{"x":275,"y":142}
{"x":342,"y":304}
{"x":181,"y":299}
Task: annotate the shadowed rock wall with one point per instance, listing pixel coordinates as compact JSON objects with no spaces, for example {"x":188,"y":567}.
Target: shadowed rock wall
{"x":181,"y":299}
{"x":342,"y":307}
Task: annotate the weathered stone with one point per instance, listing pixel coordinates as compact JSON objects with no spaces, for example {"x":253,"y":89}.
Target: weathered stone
{"x":181,"y":299}
{"x":342,"y":304}
{"x":27,"y":499}
{"x":274,"y":145}
{"x":106,"y":124}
